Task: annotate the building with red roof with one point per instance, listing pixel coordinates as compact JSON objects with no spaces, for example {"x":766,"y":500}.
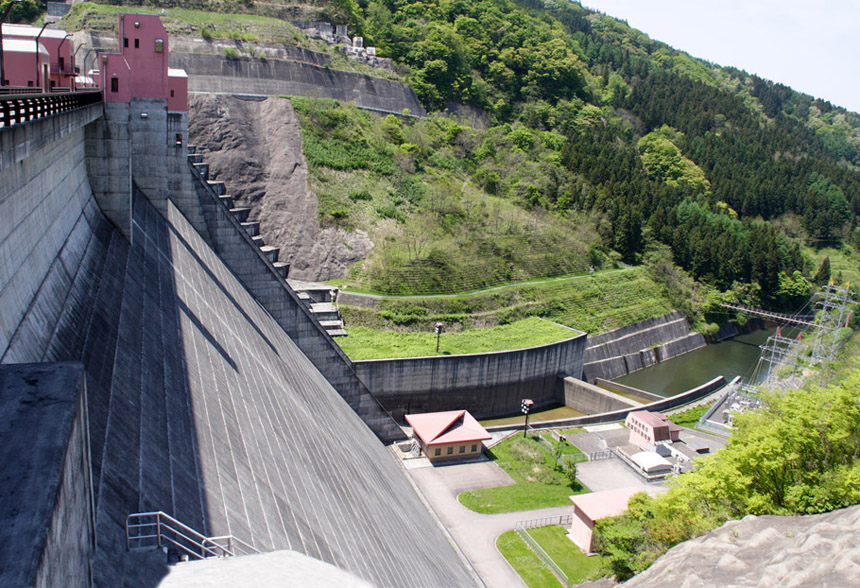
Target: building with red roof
{"x":453,"y":434}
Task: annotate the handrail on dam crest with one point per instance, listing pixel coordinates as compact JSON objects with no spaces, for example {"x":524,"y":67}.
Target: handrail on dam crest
{"x":20,"y":108}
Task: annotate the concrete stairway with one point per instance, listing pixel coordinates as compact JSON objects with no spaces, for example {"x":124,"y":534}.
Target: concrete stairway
{"x":321,"y":299}
{"x":241,"y":213}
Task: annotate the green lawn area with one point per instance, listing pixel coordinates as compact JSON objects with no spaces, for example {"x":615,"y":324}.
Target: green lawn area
{"x":366,"y":343}
{"x":566,"y":448}
{"x":578,"y":566}
{"x":530,"y":568}
{"x":538,"y":483}
{"x":689,"y":418}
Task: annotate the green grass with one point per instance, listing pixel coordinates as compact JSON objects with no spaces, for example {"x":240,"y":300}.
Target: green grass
{"x":593,"y":304}
{"x":566,"y":448}
{"x":578,"y":566}
{"x":842,"y":262}
{"x":365,"y":343}
{"x":530,"y":568}
{"x":538,"y":483}
{"x":689,"y":418}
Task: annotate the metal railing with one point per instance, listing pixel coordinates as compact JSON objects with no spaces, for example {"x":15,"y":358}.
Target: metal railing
{"x":539,"y":551}
{"x":19,"y":108}
{"x":560,"y":520}
{"x":155,"y":530}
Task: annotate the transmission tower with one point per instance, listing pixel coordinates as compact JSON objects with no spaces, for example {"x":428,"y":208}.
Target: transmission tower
{"x":835,"y":303}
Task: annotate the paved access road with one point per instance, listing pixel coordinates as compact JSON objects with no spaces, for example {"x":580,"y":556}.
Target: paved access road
{"x":475,"y":533}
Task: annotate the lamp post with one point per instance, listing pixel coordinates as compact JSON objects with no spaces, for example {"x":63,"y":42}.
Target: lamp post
{"x":9,"y":7}
{"x":438,"y":329}
{"x":527,"y":406}
{"x":38,"y":67}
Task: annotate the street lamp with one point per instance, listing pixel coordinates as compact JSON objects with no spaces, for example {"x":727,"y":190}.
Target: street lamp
{"x":9,"y":7}
{"x":527,"y":406}
{"x":438,"y":329}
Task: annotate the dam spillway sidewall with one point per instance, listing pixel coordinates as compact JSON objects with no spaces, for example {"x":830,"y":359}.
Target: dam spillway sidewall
{"x":220,"y":75}
{"x":485,"y":384}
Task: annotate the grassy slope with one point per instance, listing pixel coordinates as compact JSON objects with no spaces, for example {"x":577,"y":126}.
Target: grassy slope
{"x":538,"y":483}
{"x":365,"y":343}
{"x":530,"y":568}
{"x":576,"y":565}
{"x":593,"y":304}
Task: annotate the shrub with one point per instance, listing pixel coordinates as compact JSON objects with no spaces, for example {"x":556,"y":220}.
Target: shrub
{"x":231,"y":53}
{"x":360,"y":195}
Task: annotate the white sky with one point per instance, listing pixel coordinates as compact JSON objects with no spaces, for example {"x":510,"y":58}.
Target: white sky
{"x":813,"y":47}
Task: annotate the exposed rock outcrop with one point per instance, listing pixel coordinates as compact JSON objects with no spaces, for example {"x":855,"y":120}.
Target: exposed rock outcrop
{"x":817,"y":550}
{"x":255,"y":147}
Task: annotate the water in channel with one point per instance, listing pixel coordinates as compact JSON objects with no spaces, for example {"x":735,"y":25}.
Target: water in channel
{"x":733,"y":357}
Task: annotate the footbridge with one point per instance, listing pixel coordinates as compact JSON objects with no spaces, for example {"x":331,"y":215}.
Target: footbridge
{"x":805,"y":320}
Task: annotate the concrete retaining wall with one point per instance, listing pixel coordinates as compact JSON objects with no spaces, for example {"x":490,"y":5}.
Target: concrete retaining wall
{"x":273,"y":77}
{"x":621,"y":388}
{"x":590,"y":399}
{"x":485,"y":384}
{"x":42,"y":199}
{"x":637,"y":346}
{"x":619,"y":415}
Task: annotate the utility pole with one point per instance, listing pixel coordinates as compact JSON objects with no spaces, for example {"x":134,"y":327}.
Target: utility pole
{"x":527,"y":406}
{"x":438,"y":334}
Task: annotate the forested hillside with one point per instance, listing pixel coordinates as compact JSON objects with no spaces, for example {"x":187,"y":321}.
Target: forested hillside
{"x":658,"y":145}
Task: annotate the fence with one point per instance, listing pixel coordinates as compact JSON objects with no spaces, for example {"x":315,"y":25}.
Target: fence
{"x":20,"y":108}
{"x":521,"y":529}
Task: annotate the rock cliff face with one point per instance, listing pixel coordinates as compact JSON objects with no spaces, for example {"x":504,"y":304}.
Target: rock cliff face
{"x":818,"y":550}
{"x":255,"y":148}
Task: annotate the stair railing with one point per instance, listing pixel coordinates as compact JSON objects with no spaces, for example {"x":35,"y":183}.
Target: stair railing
{"x":147,"y":530}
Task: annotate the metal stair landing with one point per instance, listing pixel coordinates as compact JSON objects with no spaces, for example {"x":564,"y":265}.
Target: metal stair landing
{"x":321,"y":299}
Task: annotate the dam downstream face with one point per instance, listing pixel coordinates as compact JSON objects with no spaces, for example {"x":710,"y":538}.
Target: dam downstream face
{"x":737,"y":356}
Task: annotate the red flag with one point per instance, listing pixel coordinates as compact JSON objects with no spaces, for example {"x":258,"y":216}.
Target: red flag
{"x":778,"y":332}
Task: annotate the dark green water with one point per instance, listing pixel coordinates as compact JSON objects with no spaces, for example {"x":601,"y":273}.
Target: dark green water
{"x":730,"y":358}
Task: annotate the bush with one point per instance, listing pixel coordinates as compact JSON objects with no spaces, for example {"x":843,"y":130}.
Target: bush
{"x":206,"y":33}
{"x":360,"y":195}
{"x":231,"y":53}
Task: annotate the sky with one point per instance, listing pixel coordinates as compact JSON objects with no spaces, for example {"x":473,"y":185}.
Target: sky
{"x":812,"y":47}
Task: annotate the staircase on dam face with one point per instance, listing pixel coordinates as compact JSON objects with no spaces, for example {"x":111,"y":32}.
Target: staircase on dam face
{"x":321,"y":300}
{"x":241,"y":213}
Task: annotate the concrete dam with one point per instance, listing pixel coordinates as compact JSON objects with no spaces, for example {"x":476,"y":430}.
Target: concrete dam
{"x":154,"y":359}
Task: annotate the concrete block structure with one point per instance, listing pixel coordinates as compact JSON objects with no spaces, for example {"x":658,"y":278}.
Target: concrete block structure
{"x":486,"y":384}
